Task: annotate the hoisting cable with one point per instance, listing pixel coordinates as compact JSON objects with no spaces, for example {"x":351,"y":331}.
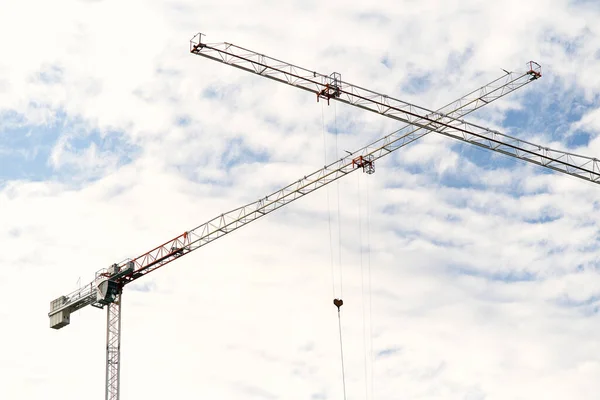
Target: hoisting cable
{"x":338,"y":201}
{"x":362,"y":283}
{"x":338,"y":303}
{"x":370,"y":291}
{"x":328,"y":202}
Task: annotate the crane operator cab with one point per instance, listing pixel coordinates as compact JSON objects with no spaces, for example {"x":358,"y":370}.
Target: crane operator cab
{"x":106,"y":291}
{"x":107,"y":286}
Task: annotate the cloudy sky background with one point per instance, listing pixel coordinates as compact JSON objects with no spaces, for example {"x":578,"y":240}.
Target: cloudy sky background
{"x":113,"y":139}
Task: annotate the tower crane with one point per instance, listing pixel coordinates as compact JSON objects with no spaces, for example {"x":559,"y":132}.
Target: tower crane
{"x":107,"y":287}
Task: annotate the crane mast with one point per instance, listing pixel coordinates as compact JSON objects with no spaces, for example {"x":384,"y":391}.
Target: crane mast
{"x":107,"y":287}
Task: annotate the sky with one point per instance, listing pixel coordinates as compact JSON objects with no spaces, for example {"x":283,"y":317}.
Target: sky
{"x":465,"y":274}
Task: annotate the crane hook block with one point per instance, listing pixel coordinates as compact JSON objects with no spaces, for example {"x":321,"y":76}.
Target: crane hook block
{"x":338,"y":303}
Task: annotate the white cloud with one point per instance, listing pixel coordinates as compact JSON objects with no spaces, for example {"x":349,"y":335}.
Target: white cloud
{"x":473,"y":296}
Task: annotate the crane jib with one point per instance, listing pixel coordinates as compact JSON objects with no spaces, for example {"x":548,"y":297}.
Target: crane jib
{"x":331,"y":87}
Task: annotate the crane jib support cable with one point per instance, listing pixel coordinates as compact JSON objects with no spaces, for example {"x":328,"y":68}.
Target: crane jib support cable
{"x":572,"y":164}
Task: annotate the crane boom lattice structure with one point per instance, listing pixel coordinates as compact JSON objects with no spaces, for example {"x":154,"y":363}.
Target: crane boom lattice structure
{"x":106,"y":288}
{"x":129,"y":270}
{"x":332,"y":87}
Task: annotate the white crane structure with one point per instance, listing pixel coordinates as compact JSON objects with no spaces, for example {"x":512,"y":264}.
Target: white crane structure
{"x":107,"y":287}
{"x":448,"y":124}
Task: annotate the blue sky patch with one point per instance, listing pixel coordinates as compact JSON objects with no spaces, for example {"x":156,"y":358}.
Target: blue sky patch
{"x":25,"y":150}
{"x":566,"y":301}
{"x":578,"y":139}
{"x":550,"y":115}
{"x":51,"y":75}
{"x":385,"y":60}
{"x":457,"y":59}
{"x":345,"y":126}
{"x":570,"y":44}
{"x":387,"y":352}
{"x":211,"y":92}
{"x":237,"y":152}
{"x":491,"y":160}
{"x":545,"y":216}
{"x":588,"y":307}
{"x":503,"y":276}
{"x":222,"y":91}
{"x":183,"y":120}
{"x":416,"y":83}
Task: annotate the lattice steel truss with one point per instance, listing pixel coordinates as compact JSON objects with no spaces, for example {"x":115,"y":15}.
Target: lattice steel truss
{"x":234,"y":219}
{"x":325,"y":86}
{"x":113,"y":348}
